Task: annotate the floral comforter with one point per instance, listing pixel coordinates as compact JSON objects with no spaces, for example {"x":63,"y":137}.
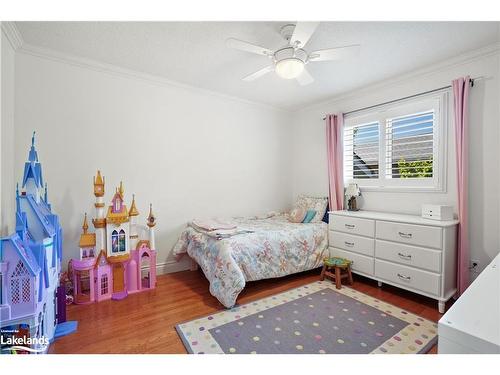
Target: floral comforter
{"x":274,"y":248}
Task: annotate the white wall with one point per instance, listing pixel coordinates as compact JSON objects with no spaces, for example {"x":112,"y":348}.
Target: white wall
{"x":188,"y":152}
{"x":192,"y":153}
{"x":7,"y":185}
{"x":310,"y":171}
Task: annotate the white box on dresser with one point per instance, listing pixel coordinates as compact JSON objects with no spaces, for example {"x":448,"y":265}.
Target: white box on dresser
{"x":406,"y":251}
{"x":437,"y":212}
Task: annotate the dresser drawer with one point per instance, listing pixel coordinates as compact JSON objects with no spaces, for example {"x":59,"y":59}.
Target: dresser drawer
{"x":409,"y":255}
{"x":352,"y":225}
{"x":408,"y":277}
{"x":411,"y":234}
{"x":349,"y":242}
{"x":360,"y":263}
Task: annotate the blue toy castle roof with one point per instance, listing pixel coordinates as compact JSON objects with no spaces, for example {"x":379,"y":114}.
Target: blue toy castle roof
{"x":42,"y":213}
{"x":23,"y":251}
{"x":33,"y":170}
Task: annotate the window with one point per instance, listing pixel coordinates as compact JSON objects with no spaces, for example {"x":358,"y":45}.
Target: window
{"x":104,"y":284}
{"x":20,"y":285}
{"x":361,"y":151}
{"x":118,"y":205}
{"x":409,"y":146}
{"x":398,"y":146}
{"x":122,"y":240}
{"x":114,"y":241}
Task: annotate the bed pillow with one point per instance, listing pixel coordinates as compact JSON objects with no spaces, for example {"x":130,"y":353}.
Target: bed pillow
{"x":318,"y":204}
{"x":309,"y":216}
{"x":297,"y":215}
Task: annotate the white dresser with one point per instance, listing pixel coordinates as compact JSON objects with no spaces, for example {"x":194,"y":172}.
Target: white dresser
{"x":472,"y":324}
{"x":402,"y":250}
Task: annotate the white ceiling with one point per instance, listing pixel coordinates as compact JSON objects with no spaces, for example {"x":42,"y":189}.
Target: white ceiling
{"x":194,"y":53}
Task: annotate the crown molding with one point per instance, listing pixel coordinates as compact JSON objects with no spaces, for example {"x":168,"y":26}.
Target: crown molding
{"x":12,"y":33}
{"x":464,"y":58}
{"x":117,"y":71}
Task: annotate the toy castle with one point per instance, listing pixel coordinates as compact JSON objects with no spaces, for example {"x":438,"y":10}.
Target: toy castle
{"x":31,"y":302}
{"x":114,"y":261}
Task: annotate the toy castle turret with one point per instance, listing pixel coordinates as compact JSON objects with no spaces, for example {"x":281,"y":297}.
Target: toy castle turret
{"x":114,"y":261}
{"x":151,"y":224}
{"x":32,"y":178}
{"x":133,"y":213}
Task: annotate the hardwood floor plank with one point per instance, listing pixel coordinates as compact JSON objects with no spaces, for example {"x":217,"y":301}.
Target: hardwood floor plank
{"x":144,"y":322}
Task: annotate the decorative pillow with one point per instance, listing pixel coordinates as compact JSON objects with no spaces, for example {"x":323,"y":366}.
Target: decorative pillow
{"x":318,"y":204}
{"x":309,"y":216}
{"x":297,"y":215}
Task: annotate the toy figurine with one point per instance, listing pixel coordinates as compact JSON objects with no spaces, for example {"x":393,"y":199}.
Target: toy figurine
{"x":114,"y":261}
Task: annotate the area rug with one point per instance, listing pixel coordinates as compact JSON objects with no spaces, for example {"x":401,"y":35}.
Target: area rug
{"x":315,"y":318}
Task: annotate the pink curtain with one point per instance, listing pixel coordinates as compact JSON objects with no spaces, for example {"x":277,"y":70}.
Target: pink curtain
{"x":334,"y":125}
{"x":461,"y":107}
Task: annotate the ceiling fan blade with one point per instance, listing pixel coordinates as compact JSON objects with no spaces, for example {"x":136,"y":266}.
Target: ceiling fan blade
{"x":335,"y":53}
{"x":305,"y":78}
{"x":247,"y":47}
{"x":302,"y":33}
{"x":258,"y":73}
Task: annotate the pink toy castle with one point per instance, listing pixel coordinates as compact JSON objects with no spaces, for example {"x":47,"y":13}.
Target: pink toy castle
{"x":115,"y":260}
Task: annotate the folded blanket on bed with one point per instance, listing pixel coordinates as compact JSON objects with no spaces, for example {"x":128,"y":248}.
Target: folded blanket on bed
{"x":212,"y":224}
{"x":220,"y":234}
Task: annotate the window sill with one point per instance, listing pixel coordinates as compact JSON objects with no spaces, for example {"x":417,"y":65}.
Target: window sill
{"x":403,"y":189}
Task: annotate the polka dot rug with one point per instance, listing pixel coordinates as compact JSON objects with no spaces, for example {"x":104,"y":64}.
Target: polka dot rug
{"x":315,"y":318}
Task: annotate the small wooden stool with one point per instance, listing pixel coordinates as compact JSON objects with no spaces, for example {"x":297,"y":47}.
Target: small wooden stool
{"x":337,"y":269}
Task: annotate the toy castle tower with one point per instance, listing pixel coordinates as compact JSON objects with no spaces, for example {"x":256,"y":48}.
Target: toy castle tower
{"x":114,"y":261}
{"x":100,"y":220}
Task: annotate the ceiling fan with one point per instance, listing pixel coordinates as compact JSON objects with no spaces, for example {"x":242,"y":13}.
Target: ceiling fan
{"x":289,"y":61}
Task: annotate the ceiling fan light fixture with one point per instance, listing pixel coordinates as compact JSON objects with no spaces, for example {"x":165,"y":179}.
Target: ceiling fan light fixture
{"x":289,"y":68}
{"x":289,"y":61}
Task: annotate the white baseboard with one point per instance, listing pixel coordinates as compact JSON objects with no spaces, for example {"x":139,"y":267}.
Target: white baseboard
{"x":172,"y":266}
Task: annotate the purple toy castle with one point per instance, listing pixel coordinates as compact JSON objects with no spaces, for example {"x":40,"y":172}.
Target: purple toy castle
{"x":30,"y":266}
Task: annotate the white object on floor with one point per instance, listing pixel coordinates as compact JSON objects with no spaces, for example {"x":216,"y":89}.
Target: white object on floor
{"x":437,"y":212}
{"x":406,"y":251}
{"x":472,"y":324}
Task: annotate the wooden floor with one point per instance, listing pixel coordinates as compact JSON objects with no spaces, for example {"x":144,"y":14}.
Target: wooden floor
{"x":144,"y":322}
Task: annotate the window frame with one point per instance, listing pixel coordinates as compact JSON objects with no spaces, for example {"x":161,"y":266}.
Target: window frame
{"x":436,"y":101}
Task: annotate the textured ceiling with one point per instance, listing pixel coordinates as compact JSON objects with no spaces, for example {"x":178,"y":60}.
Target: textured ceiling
{"x":194,"y":53}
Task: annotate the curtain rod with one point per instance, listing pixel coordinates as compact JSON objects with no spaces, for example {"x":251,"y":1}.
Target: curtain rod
{"x":471,"y":81}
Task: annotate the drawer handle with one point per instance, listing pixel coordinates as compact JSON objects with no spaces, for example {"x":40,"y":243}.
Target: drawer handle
{"x":405,"y":256}
{"x":350,"y":226}
{"x":405,"y":235}
{"x":350,"y":244}
{"x":403,"y":277}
